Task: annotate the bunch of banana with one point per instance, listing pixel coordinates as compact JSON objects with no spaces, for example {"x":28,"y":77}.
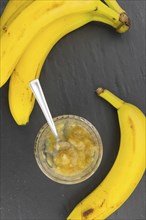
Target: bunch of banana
{"x":29,"y":30}
{"x":127,"y":170}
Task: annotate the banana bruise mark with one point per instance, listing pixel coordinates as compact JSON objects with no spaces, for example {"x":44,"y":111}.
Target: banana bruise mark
{"x":102,"y":203}
{"x":5,"y":29}
{"x":132,"y":130}
{"x":87,"y":212}
{"x":131,"y":123}
{"x":32,"y":97}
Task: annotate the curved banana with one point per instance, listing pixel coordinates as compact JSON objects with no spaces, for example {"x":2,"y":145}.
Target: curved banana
{"x":13,"y":9}
{"x":127,"y":170}
{"x":21,"y":100}
{"x":18,"y":34}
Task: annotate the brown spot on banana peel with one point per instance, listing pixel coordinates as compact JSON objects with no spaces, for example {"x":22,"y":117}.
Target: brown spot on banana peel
{"x":17,"y":76}
{"x":133,"y":130}
{"x":87,"y":212}
{"x":32,"y":97}
{"x":100,"y":206}
{"x":131,"y":124}
{"x":96,"y":9}
{"x":5,"y":29}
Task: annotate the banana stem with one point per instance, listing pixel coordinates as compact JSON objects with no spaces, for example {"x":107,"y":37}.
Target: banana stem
{"x":110,"y":97}
{"x":124,"y":19}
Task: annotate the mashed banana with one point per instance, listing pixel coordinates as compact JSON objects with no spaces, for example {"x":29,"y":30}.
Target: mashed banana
{"x":80,"y":153}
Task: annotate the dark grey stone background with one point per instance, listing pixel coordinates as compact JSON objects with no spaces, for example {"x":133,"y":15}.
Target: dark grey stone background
{"x":94,"y":55}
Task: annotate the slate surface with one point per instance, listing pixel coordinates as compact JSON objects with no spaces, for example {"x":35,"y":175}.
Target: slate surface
{"x":92,"y":56}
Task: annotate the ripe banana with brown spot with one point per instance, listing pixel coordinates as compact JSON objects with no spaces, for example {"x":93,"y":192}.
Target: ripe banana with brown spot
{"x":21,"y":100}
{"x":17,"y":33}
{"x":127,"y":170}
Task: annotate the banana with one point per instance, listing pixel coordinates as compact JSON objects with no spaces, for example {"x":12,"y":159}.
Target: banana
{"x":17,"y":34}
{"x":12,"y":9}
{"x":21,"y":99}
{"x":127,"y":170}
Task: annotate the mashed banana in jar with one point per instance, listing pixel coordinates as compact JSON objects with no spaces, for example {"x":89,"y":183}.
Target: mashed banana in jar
{"x":76,"y":156}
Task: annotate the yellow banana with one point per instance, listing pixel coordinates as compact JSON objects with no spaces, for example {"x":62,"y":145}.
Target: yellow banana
{"x":21,"y":99}
{"x":127,"y":170}
{"x":16,"y":36}
{"x":12,"y":9}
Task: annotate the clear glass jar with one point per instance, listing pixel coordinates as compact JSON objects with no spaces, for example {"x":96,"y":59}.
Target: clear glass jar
{"x":75,"y":164}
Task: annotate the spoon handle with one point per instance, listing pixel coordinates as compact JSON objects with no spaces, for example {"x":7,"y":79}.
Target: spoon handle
{"x":39,"y":95}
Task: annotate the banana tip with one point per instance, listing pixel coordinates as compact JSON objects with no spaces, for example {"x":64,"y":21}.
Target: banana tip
{"x":99,"y":90}
{"x":125,"y":23}
{"x":125,"y":19}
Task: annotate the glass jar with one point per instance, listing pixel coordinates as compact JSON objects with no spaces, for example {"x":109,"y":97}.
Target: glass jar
{"x":73,"y":164}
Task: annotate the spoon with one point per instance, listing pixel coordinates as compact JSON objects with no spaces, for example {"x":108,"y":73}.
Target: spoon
{"x":39,"y":95}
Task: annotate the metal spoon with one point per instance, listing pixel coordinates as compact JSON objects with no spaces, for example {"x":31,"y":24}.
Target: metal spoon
{"x":39,"y":95}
